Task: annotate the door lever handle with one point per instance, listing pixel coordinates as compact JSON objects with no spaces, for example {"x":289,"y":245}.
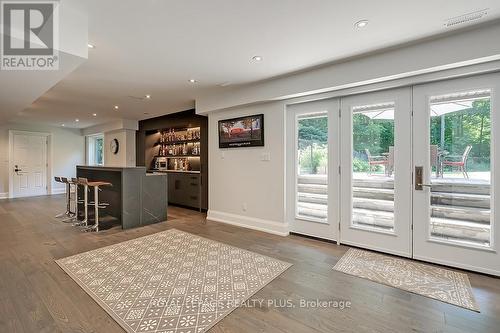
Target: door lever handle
{"x":419,"y":179}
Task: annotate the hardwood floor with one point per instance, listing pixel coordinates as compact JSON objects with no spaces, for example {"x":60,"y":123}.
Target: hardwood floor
{"x":37,"y":296}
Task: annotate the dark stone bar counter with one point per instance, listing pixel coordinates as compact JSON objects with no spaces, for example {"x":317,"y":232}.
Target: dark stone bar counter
{"x":136,"y":198}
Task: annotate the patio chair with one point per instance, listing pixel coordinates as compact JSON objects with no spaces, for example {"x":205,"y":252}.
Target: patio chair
{"x":459,"y":162}
{"x":376,"y":160}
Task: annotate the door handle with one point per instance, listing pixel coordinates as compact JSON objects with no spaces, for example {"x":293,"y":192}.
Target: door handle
{"x":419,"y":175}
{"x":17,"y":170}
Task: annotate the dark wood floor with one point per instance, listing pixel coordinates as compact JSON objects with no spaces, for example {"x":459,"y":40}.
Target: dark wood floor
{"x":37,"y":296}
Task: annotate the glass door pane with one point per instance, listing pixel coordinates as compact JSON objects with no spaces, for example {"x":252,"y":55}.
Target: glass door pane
{"x":376,"y":184}
{"x":373,"y":168}
{"x":312,"y":166}
{"x":312,"y":157}
{"x":460,"y":161}
{"x":456,"y":145}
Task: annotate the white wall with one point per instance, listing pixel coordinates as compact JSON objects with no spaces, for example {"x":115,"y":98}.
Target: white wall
{"x":126,"y":152}
{"x":451,"y":51}
{"x":68,"y":150}
{"x":124,"y":131}
{"x":241,"y":177}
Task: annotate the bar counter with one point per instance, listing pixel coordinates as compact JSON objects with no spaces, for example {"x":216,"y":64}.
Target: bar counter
{"x":136,"y":198}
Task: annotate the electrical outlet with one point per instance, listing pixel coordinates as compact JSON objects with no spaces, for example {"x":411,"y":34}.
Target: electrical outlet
{"x":265,"y":157}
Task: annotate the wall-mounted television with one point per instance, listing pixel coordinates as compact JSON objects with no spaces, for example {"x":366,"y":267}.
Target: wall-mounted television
{"x":245,"y":131}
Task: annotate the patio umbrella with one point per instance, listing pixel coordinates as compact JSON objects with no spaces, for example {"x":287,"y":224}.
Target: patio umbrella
{"x":440,"y":109}
{"x":380,"y":114}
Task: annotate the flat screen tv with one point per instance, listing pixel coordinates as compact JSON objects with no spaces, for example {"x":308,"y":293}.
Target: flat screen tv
{"x":242,"y":132}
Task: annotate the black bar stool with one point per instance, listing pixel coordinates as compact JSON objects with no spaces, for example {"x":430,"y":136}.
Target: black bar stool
{"x":68,"y":213}
{"x":59,"y":180}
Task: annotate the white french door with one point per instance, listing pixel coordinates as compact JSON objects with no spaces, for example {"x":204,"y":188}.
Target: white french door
{"x":376,"y":171}
{"x":417,"y":178}
{"x":312,"y":168}
{"x":456,"y":144}
{"x":28,"y":164}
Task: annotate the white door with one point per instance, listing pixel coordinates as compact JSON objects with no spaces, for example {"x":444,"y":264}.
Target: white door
{"x":312,"y":168}
{"x":456,"y":145}
{"x":29,"y":165}
{"x":376,"y":171}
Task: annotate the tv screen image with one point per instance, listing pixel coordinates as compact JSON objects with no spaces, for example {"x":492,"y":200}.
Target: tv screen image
{"x":242,"y":132}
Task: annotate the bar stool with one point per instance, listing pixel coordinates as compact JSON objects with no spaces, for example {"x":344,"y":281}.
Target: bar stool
{"x":73,"y":215}
{"x":97,"y":205}
{"x":85,"y":201}
{"x":76,"y":183}
{"x":59,"y":180}
{"x":68,"y":212}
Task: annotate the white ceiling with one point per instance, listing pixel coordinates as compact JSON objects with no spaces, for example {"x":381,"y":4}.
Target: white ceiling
{"x":155,"y":46}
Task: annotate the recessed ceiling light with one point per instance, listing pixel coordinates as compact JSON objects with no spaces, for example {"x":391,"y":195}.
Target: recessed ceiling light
{"x":116,"y":107}
{"x":192,"y":81}
{"x":148,"y":96}
{"x":63,"y":125}
{"x":77,"y":120}
{"x":257,"y":58}
{"x":94,"y":114}
{"x":91,"y":46}
{"x":361,"y":24}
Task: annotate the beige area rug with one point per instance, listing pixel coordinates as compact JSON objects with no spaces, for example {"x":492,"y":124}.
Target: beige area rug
{"x":438,"y":283}
{"x":171,"y":281}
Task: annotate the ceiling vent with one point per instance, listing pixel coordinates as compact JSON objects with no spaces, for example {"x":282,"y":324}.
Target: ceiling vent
{"x":466,"y":18}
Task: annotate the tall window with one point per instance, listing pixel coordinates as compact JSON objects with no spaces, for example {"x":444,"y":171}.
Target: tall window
{"x":95,"y":149}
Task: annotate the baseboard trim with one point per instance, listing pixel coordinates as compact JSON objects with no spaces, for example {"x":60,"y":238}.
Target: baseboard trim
{"x":4,"y":195}
{"x":271,"y":227}
{"x":59,"y":190}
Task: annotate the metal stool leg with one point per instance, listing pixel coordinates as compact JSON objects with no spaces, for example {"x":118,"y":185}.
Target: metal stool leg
{"x":95,"y":226}
{"x":72,"y":216}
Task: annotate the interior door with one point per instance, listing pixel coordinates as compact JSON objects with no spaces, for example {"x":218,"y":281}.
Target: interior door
{"x":376,"y":171}
{"x":312,"y":168}
{"x":29,"y":162}
{"x":456,"y":146}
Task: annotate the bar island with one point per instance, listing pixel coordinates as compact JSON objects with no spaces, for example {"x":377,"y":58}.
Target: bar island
{"x":135,"y":199}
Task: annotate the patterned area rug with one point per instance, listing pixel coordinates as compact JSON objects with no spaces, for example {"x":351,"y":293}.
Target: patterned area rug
{"x":171,"y":281}
{"x":431,"y":281}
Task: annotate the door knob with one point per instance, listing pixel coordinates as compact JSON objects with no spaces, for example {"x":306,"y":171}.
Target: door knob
{"x":16,"y":170}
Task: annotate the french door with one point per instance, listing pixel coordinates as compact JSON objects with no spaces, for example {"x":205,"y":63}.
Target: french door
{"x":376,"y":171}
{"x":312,"y":172}
{"x":417,"y":173}
{"x":456,"y":196}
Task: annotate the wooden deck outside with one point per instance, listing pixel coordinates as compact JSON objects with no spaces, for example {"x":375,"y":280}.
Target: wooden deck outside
{"x":460,"y":209}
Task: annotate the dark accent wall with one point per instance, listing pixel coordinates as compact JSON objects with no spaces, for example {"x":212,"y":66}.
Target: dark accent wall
{"x":182,"y":119}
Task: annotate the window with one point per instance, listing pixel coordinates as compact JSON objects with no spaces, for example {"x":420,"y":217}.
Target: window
{"x":95,"y":151}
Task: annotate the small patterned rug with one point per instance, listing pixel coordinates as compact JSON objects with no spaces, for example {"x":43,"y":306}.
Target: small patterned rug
{"x":171,"y":281}
{"x":438,"y":283}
